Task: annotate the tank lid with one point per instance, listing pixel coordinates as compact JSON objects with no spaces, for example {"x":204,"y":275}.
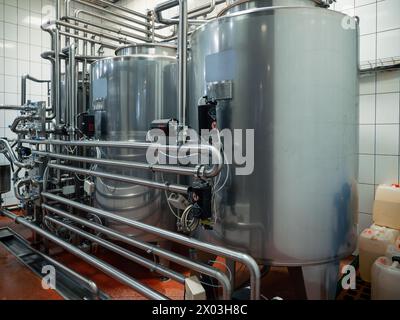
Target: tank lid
{"x":147,"y":48}
{"x":235,"y":6}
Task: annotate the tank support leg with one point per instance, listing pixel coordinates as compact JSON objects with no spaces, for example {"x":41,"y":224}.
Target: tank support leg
{"x":166,"y":245}
{"x":297,"y":280}
{"x":321,"y":281}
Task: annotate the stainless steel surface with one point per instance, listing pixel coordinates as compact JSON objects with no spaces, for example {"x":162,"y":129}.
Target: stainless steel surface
{"x":235,"y":6}
{"x":294,"y":73}
{"x":248,"y":261}
{"x":5,"y":178}
{"x":147,"y":48}
{"x":106,"y":268}
{"x":127,"y":94}
{"x":156,"y":250}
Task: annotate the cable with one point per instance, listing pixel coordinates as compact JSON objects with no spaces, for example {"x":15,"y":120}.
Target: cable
{"x":227,"y":268}
{"x":170,"y":207}
{"x":189,"y":225}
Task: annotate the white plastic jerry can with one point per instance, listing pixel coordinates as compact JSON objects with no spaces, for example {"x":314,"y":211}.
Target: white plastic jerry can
{"x":373,"y":243}
{"x":386,"y":279}
{"x":393,"y":250}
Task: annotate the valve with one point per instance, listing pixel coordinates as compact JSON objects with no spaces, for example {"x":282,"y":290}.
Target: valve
{"x":200,"y":196}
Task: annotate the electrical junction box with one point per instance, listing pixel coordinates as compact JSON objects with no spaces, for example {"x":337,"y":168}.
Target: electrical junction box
{"x":194,"y":289}
{"x":89,"y":187}
{"x":68,"y":190}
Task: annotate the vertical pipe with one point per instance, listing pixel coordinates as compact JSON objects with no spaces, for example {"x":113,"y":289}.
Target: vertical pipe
{"x":182,"y":48}
{"x":67,"y":12}
{"x":72,"y":86}
{"x":58,"y":9}
{"x":57,"y":74}
{"x":23,"y":89}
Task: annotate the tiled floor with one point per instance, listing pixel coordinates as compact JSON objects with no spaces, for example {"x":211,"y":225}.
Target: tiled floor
{"x":363,"y":292}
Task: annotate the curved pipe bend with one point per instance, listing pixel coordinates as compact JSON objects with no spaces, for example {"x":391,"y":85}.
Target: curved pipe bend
{"x":12,"y":156}
{"x":17,"y":187}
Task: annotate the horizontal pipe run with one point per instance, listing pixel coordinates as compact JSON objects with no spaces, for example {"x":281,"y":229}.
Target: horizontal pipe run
{"x":115,"y":6}
{"x":50,"y":55}
{"x":93,"y":32}
{"x":105,"y":144}
{"x":122,"y":252}
{"x":248,"y":261}
{"x":130,"y":165}
{"x":146,"y":31}
{"x":102,"y":43}
{"x":105,"y":27}
{"x":101,"y":265}
{"x":216,"y":155}
{"x":137,"y":181}
{"x":91,"y":284}
{"x":194,"y":13}
{"x":115,"y":14}
{"x":173,"y":257}
{"x":16,"y":108}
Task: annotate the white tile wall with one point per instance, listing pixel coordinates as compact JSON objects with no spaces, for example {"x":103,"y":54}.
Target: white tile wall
{"x":20,"y":47}
{"x":379,"y":98}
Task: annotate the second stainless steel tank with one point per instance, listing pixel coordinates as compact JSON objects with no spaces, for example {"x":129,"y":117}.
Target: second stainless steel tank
{"x":128,"y":92}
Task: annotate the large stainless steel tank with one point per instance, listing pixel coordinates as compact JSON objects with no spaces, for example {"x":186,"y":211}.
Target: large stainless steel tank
{"x":128,"y":92}
{"x":291,"y":74}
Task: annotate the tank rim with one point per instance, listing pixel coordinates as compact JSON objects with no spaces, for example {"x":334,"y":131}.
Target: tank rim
{"x":137,"y":56}
{"x":260,"y":10}
{"x":138,"y":45}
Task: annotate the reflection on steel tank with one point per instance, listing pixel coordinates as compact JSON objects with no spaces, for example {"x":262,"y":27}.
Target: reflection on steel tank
{"x":128,"y":93}
{"x":291,"y":74}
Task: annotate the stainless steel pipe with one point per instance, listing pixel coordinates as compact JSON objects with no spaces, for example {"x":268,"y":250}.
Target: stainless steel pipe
{"x":113,"y":13}
{"x":122,"y":252}
{"x":182,"y":49}
{"x":173,"y":257}
{"x":7,"y":148}
{"x":24,"y":80}
{"x":148,"y":31}
{"x":248,"y":261}
{"x":72,"y":87}
{"x":96,"y":33}
{"x":115,"y":6}
{"x":214,"y":153}
{"x":180,"y":170}
{"x":107,"y":28}
{"x":92,"y":41}
{"x":182,"y":56}
{"x":101,"y":265}
{"x":142,"y":182}
{"x":49,"y":55}
{"x":196,"y":12}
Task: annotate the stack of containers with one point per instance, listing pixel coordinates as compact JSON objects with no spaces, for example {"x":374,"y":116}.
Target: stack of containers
{"x":386,"y":279}
{"x":384,"y":234}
